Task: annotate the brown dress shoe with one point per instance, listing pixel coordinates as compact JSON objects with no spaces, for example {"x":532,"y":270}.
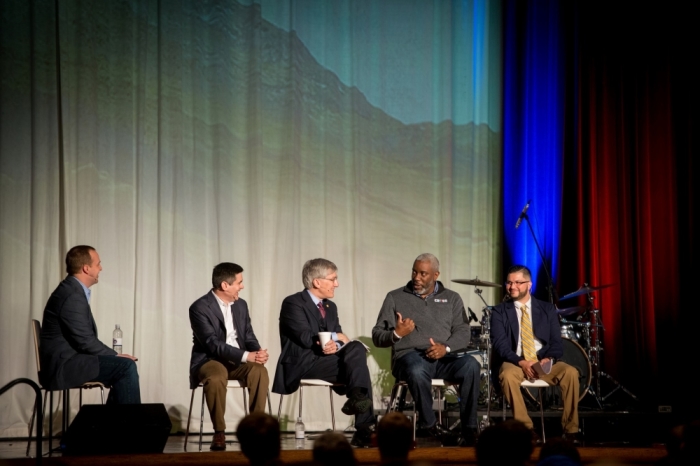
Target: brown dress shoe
{"x":218,"y":443}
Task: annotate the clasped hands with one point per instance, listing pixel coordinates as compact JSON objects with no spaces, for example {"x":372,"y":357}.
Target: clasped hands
{"x":260,"y":356}
{"x":406,"y":326}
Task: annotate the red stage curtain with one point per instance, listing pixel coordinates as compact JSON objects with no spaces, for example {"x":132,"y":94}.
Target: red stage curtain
{"x":629,"y":201}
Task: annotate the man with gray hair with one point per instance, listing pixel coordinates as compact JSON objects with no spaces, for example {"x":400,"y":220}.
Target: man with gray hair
{"x":302,"y":317}
{"x":423,"y":322}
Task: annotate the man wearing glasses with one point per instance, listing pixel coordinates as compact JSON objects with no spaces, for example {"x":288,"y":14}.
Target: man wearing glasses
{"x":526,"y":336}
{"x":302,"y":317}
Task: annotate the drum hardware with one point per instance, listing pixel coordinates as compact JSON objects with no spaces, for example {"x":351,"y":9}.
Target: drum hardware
{"x":571,"y":310}
{"x":476,"y":282}
{"x":594,"y":348}
{"x":585,"y":289}
{"x":485,"y":334}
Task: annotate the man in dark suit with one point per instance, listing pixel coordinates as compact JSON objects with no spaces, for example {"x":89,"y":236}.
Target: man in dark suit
{"x":70,"y":351}
{"x":526,"y":331}
{"x":302,"y":317}
{"x":225,"y":348}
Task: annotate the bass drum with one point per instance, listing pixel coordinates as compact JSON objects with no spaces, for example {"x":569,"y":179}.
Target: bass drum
{"x":574,"y":356}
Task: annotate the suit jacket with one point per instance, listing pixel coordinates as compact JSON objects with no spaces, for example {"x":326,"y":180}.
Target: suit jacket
{"x":505,"y":330}
{"x":209,"y":334}
{"x":69,"y":344}
{"x":300,"y":322}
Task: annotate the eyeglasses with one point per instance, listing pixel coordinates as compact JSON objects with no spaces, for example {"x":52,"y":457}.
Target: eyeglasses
{"x":517,"y":283}
{"x":330,"y":279}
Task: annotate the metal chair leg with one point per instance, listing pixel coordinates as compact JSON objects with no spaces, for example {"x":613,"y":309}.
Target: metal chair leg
{"x":539,"y":390}
{"x":50,"y":423}
{"x":31,"y":427}
{"x":301,"y":397}
{"x":279,"y":409}
{"x":189,"y":418}
{"x":332,"y":409}
{"x":201,"y":422}
{"x":246,"y":409}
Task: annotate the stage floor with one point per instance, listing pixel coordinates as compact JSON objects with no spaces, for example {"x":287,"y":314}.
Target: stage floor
{"x":624,"y":436}
{"x":12,"y":453}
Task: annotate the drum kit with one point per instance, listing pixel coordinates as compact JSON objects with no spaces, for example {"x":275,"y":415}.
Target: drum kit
{"x":581,"y":331}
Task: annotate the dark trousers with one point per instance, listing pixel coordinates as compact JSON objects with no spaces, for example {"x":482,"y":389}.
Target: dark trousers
{"x":349,"y":367}
{"x":417,"y":371}
{"x":121,"y":375}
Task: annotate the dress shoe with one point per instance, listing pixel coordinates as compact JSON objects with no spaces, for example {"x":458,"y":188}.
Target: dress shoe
{"x":363,"y":437}
{"x":573,"y":437}
{"x":356,"y":405}
{"x":536,"y":440}
{"x":446,"y":437}
{"x":468,"y":438}
{"x":218,"y":443}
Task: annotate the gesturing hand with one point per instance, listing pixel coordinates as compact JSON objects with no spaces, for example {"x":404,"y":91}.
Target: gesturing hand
{"x":404,"y":326}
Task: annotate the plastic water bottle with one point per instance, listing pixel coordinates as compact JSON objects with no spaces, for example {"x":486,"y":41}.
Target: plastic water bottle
{"x":484,"y":423}
{"x":117,"y":339}
{"x":299,"y":434}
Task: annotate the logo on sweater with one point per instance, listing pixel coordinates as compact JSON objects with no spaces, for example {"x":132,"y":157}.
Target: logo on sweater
{"x":437,"y":300}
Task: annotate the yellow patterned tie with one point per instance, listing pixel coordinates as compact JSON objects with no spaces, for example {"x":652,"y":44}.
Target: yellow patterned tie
{"x":526,"y":337}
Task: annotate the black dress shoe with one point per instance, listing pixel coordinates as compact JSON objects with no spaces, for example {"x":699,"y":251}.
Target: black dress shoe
{"x":446,"y":437}
{"x":536,"y":440}
{"x":218,"y":443}
{"x":468,"y":438}
{"x":573,"y":437}
{"x":356,"y":406}
{"x":362,"y":438}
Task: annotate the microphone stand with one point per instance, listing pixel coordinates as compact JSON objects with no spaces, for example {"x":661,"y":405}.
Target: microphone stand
{"x":550,"y":282}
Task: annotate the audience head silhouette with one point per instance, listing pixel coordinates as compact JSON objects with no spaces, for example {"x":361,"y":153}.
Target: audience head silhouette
{"x":259,"y":436}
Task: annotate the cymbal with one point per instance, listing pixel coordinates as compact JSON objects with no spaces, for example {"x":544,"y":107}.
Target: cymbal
{"x":584,"y":290}
{"x":476,"y":282}
{"x":570,"y":310}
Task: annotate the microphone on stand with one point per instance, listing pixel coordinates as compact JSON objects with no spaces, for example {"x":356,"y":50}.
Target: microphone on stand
{"x":472,"y":316}
{"x":522,"y":214}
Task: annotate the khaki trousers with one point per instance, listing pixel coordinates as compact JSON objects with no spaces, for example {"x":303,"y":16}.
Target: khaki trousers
{"x":215,"y":376}
{"x":562,"y":374}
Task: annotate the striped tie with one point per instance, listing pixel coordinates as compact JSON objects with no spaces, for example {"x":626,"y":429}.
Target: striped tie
{"x":528,"y":340}
{"x":321,"y":310}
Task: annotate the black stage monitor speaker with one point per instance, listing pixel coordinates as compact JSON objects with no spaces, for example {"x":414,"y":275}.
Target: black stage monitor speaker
{"x":115,"y":429}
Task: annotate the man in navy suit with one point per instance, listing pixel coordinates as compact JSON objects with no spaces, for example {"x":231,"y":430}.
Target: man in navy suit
{"x":521,"y":352}
{"x":302,"y":317}
{"x":70,"y":352}
{"x":225,"y":348}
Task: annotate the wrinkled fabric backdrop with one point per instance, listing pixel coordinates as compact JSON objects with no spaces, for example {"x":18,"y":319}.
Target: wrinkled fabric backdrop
{"x":172,"y":136}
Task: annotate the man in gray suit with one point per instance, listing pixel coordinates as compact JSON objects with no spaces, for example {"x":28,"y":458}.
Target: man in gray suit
{"x":225,"y":348}
{"x":71,"y":354}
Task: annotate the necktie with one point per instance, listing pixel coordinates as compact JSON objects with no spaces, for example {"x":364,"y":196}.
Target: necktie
{"x":526,"y":337}
{"x":321,"y":309}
